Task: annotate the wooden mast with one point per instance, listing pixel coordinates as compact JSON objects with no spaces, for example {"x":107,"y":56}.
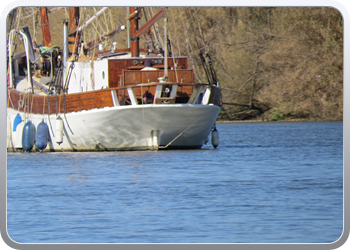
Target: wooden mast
{"x":134,"y":26}
{"x":73,"y":35}
{"x":135,"y":32}
{"x":45,"y":27}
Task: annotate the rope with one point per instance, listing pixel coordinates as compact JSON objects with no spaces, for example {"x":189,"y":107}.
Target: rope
{"x":31,"y":108}
{"x":172,"y":53}
{"x":184,"y":130}
{"x":64,"y":112}
{"x":118,"y":27}
{"x":143,"y":117}
{"x":44,"y":108}
{"x":48,"y":114}
{"x":9,"y":92}
{"x":68,"y":76}
{"x":21,"y":101}
{"x":26,"y":107}
{"x":59,"y":104}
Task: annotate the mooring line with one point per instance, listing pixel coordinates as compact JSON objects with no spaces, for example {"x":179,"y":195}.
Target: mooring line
{"x":184,"y":130}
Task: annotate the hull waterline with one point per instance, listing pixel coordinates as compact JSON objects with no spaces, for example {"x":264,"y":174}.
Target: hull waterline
{"x":130,"y":127}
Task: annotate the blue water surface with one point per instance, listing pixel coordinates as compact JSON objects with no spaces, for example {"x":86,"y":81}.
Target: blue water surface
{"x":265,"y":183}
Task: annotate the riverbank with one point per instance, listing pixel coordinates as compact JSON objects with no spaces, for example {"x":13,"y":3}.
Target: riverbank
{"x":286,"y":120}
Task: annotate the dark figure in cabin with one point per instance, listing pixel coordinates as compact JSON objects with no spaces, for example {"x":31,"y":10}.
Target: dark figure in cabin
{"x":147,"y":97}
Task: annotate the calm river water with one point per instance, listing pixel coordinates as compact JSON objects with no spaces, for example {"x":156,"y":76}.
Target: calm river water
{"x":265,"y":183}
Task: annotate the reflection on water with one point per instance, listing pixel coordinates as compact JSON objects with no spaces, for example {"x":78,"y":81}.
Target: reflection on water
{"x":265,"y":183}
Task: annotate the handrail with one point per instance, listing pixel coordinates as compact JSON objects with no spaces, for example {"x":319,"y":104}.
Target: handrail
{"x":152,"y":84}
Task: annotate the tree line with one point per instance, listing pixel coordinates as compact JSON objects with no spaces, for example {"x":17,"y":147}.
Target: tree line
{"x":272,"y":63}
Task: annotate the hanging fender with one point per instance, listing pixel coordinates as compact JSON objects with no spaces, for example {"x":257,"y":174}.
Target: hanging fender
{"x":59,"y":130}
{"x":215,"y":137}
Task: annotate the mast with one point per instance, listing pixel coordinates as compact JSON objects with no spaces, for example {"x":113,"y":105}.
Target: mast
{"x":65,"y":48}
{"x":165,"y":48}
{"x":45,"y":27}
{"x":73,"y":36}
{"x":134,"y":26}
{"x":128,"y":26}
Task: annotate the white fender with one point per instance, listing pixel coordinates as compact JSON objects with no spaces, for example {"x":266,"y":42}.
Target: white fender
{"x":19,"y":134}
{"x":59,"y":130}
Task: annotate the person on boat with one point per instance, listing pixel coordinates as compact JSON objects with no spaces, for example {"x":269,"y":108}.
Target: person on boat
{"x":147,"y":97}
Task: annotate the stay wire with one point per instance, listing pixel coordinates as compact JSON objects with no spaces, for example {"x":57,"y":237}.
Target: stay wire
{"x":118,"y":27}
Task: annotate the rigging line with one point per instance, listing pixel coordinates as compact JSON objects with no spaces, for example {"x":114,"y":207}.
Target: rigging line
{"x":26,"y":105}
{"x":56,"y":106}
{"x":209,"y":71}
{"x":48,"y":114}
{"x":64,"y":112}
{"x":105,"y":19}
{"x":96,"y":34}
{"x":70,"y":70}
{"x":177,"y":40}
{"x":31,"y":108}
{"x":19,"y":17}
{"x":204,"y":66}
{"x":66,"y":12}
{"x":19,"y":102}
{"x":143,"y":116}
{"x":110,"y":17}
{"x":185,"y":130}
{"x":11,"y":99}
{"x":159,"y":38}
{"x":96,"y":29}
{"x":99,"y":23}
{"x":153,"y":33}
{"x":191,"y":25}
{"x":200,"y":31}
{"x":76,"y":43}
{"x":188,"y":45}
{"x":12,"y":14}
{"x":149,"y":33}
{"x":172,"y":53}
{"x":211,"y":68}
{"x":44,"y":107}
{"x":59,"y":104}
{"x":118,"y":28}
{"x":191,"y":17}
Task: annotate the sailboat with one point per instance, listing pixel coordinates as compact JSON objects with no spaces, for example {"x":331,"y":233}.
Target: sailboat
{"x":115,"y":99}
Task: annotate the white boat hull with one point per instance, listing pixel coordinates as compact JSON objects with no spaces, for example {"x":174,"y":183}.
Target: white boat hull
{"x":130,"y":127}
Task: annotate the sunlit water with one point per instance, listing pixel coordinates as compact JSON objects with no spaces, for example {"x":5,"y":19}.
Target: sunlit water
{"x":265,"y":183}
